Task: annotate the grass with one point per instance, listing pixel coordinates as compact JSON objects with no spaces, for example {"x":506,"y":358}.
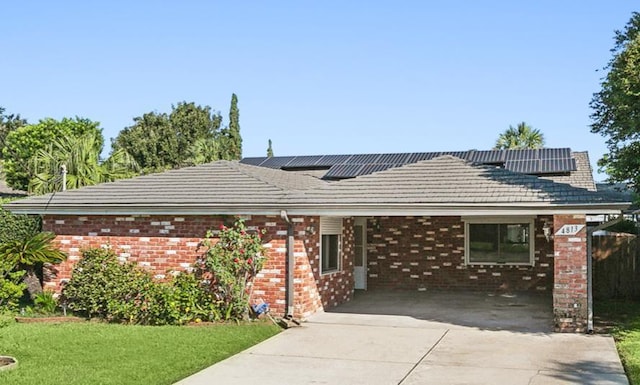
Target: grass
{"x":622,"y":318}
{"x":103,"y":354}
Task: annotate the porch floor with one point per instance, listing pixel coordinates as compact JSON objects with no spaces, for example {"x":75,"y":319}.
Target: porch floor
{"x":521,"y":312}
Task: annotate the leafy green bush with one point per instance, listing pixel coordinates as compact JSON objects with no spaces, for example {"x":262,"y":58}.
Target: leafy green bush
{"x":229,"y":264}
{"x":11,"y":286}
{"x":98,"y":280}
{"x":101,"y":286}
{"x":13,"y":226}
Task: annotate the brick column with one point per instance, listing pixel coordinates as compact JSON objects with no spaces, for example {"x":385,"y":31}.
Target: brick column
{"x":570,"y":275}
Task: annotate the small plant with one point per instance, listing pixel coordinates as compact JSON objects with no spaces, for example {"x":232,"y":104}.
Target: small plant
{"x":45,"y":302}
{"x":229,"y":265}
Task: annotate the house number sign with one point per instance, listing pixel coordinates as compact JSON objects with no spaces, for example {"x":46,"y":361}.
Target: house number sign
{"x":569,"y":230}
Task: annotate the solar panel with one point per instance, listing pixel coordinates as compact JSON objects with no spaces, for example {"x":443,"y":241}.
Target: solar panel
{"x":393,"y":158}
{"x":555,"y":153}
{"x":420,"y":156}
{"x":341,"y":171}
{"x":363,"y":159}
{"x":277,"y":161}
{"x":530,"y":166}
{"x":330,"y":160}
{"x":457,"y":154}
{"x":551,"y":166}
{"x":486,"y":156}
{"x":371,"y":168}
{"x":521,"y":154}
{"x":304,"y":161}
{"x":256,"y":161}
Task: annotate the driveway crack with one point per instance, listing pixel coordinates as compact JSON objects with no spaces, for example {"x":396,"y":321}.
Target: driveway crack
{"x":423,"y":357}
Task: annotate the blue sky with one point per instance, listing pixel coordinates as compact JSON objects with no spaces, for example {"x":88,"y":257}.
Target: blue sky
{"x":319,"y":77}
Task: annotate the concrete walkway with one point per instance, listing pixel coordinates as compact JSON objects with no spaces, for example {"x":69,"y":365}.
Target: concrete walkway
{"x":355,"y":348}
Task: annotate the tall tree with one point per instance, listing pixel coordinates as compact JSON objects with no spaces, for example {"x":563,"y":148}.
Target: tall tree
{"x":23,"y":143}
{"x":8,"y":123}
{"x":616,"y":107}
{"x":269,"y":150}
{"x":520,"y":137}
{"x":81,"y":157}
{"x":230,"y":139}
{"x":158,"y":141}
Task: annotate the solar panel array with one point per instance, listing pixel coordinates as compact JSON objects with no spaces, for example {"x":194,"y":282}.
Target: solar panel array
{"x":526,"y":161}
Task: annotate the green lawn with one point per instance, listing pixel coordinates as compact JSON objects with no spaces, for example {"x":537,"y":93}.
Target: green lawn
{"x":95,"y":353}
{"x":623,"y":320}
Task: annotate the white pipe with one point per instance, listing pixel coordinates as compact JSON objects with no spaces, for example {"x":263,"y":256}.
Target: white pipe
{"x":63,"y":171}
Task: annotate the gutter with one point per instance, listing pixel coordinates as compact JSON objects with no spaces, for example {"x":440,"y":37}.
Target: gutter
{"x":590,"y":232}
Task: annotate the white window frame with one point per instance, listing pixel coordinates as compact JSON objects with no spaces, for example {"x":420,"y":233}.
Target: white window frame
{"x":331,"y":226}
{"x":516,"y":220}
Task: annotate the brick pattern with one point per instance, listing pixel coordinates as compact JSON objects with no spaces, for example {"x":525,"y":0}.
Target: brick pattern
{"x":423,"y":253}
{"x":570,"y":272}
{"x":167,"y":244}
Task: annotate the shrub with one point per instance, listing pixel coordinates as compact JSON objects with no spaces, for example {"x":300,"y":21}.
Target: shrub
{"x":101,"y":286}
{"x":98,"y":279}
{"x":230,"y":264}
{"x":14,"y":226}
{"x":11,"y":286}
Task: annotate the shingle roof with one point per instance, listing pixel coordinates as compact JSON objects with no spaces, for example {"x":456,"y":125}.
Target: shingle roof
{"x":214,"y":184}
{"x":450,"y":180}
{"x":230,"y":187}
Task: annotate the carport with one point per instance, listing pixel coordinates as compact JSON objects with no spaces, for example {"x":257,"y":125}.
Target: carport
{"x":425,"y":338}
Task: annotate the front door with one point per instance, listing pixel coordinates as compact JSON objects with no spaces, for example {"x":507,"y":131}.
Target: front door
{"x":360,"y":263}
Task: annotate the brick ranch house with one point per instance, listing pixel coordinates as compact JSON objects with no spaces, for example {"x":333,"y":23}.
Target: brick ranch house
{"x":476,"y":220}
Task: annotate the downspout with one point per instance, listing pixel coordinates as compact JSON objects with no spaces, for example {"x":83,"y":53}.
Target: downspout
{"x":289,"y":267}
{"x":590,"y":232}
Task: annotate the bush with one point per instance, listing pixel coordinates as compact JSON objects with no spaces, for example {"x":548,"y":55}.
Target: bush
{"x":14,"y":227}
{"x":98,"y":279}
{"x":101,"y":286}
{"x":11,"y":286}
{"x":230,"y":264}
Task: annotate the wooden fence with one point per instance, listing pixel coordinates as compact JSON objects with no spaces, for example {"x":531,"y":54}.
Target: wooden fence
{"x":616,"y":266}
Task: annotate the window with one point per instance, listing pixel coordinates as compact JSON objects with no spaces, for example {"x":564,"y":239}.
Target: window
{"x":330,"y":234}
{"x":499,"y":241}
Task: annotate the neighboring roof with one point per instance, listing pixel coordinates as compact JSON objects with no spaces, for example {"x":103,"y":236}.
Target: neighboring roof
{"x":557,"y":164}
{"x":444,"y":185}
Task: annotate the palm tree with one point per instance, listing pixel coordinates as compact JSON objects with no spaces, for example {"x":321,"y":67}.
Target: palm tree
{"x":81,"y":156}
{"x":520,"y":137}
{"x":27,"y":253}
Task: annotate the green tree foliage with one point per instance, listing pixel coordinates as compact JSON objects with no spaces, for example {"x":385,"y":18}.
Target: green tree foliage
{"x":81,"y":156}
{"x":158,"y":141}
{"x":616,"y":107}
{"x":8,"y":123}
{"x":231,"y":141}
{"x":27,"y":253}
{"x":23,"y":143}
{"x":520,"y":137}
{"x":269,"y":150}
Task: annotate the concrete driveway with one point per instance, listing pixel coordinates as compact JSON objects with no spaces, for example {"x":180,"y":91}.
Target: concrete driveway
{"x":425,"y":338}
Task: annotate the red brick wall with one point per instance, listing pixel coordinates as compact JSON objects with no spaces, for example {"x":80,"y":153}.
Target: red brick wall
{"x":162,"y":244}
{"x":423,"y":253}
{"x":570,"y":272}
